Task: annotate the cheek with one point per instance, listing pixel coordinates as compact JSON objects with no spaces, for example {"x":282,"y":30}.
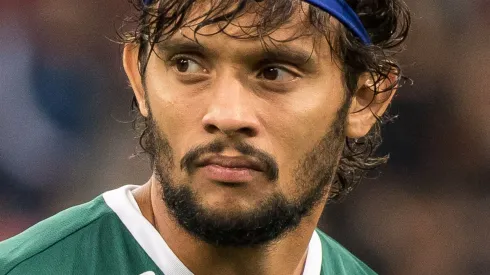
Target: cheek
{"x":176,"y":114}
{"x":303,"y":122}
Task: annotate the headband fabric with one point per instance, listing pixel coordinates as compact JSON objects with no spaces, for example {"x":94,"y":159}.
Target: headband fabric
{"x":341,"y":11}
{"x":345,"y":14}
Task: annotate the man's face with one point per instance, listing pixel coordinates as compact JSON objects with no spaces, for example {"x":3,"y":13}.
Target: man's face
{"x":244,"y":137}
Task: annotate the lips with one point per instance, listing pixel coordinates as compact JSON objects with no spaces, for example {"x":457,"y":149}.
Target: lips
{"x":232,"y":163}
{"x":230,"y":169}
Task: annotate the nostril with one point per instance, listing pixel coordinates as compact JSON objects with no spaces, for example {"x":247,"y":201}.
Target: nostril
{"x":247,"y":131}
{"x":210,"y":128}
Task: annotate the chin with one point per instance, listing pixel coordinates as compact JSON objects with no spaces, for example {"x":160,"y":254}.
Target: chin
{"x":226,"y":198}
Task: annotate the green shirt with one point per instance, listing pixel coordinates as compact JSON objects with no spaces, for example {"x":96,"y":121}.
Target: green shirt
{"x":109,"y":235}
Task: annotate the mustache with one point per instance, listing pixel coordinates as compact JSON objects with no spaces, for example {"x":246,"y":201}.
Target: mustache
{"x":189,"y":160}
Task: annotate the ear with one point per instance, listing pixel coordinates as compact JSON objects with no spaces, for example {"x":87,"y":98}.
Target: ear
{"x":131,"y":67}
{"x":366,"y":107}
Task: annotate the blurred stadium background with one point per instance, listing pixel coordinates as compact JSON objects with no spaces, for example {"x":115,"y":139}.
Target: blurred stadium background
{"x":64,"y":136}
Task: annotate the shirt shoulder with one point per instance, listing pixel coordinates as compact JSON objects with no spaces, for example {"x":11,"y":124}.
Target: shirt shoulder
{"x":337,"y":260}
{"x":53,"y":236}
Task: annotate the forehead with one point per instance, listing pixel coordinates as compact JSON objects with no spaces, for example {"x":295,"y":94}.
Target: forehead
{"x":250,"y":23}
{"x":252,"y":17}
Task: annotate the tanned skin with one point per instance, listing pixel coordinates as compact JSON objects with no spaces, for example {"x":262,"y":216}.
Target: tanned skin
{"x":285,"y":117}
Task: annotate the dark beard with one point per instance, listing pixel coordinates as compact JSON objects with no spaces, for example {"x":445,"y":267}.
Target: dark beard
{"x":272,"y":218}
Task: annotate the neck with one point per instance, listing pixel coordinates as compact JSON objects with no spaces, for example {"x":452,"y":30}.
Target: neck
{"x":284,"y":256}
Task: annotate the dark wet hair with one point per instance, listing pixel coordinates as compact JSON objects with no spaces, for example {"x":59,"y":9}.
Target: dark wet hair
{"x":386,"y":21}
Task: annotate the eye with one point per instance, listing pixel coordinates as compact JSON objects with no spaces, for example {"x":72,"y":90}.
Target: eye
{"x":186,"y":65}
{"x":276,"y":74}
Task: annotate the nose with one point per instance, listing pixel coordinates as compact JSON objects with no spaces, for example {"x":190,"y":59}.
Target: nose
{"x":231,"y":110}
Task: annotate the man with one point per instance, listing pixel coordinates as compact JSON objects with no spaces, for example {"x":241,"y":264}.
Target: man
{"x":255,"y":114}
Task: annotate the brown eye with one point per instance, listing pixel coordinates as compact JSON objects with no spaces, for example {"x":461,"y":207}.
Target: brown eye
{"x":185,"y":65}
{"x":182,"y":65}
{"x":276,"y":74}
{"x":271,"y":73}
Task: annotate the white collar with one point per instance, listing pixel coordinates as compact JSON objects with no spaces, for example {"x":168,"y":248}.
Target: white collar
{"x":122,"y":202}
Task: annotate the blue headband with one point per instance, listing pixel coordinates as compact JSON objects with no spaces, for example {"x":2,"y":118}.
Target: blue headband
{"x":343,"y":12}
{"x":338,"y":9}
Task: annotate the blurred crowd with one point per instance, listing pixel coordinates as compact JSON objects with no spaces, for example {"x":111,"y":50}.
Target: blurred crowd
{"x":65,"y":134}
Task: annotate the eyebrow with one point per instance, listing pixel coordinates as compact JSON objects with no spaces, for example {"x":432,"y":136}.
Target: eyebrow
{"x":277,"y":52}
{"x":180,"y":45}
{"x":286,"y":53}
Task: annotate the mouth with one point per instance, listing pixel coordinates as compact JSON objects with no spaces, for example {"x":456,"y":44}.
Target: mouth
{"x":230,"y":169}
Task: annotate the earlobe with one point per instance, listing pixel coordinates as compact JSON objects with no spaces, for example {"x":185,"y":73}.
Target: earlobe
{"x":131,"y":67}
{"x":369,"y":103}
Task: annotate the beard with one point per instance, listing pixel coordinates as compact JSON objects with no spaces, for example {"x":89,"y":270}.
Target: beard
{"x":273,"y":217}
